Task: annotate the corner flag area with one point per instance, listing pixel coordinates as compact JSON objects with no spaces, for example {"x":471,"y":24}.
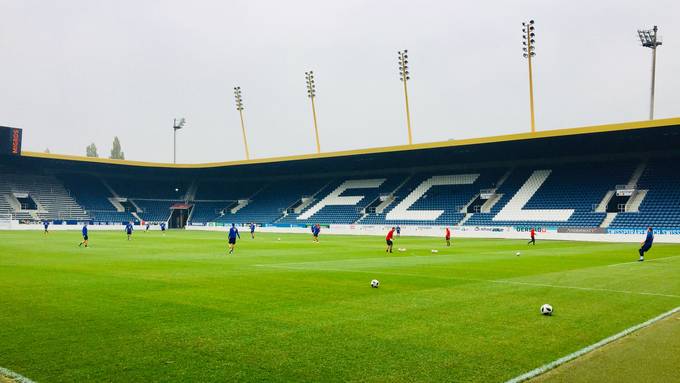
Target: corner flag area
{"x":282,"y":308}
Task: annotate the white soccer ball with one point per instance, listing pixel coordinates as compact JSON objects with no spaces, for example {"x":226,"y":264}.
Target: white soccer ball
{"x":517,"y":253}
{"x":402,"y":249}
{"x":278,"y":239}
{"x":434,"y":251}
{"x":375,"y":283}
{"x":546,"y":309}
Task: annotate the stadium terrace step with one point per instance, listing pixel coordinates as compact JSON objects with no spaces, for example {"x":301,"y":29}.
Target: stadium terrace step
{"x":635,"y":201}
{"x":602,"y":206}
{"x":467,"y":217}
{"x":635,"y":177}
{"x":384,"y":204}
{"x":608,"y":220}
{"x":116,"y":204}
{"x":241,"y":204}
{"x":489,"y":204}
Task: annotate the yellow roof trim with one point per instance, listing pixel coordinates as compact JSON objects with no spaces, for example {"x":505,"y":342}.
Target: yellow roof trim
{"x":387,"y":149}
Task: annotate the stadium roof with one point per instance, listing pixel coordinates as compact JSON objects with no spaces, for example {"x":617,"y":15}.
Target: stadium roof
{"x":623,"y":138}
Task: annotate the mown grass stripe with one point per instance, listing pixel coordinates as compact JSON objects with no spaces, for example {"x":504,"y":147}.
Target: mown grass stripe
{"x":498,"y":281}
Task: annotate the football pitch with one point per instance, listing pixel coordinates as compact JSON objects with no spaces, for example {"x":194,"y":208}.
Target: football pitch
{"x":177,"y":308}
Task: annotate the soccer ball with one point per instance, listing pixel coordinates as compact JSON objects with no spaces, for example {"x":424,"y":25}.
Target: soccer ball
{"x":435,"y":251}
{"x":546,"y":309}
{"x":402,"y":249}
{"x":517,"y":253}
{"x":375,"y":283}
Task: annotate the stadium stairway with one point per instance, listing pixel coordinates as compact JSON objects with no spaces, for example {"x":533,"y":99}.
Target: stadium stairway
{"x":634,"y":202}
{"x":608,"y":220}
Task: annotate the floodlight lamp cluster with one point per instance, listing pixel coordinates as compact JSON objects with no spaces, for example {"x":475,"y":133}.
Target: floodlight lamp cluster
{"x":179,"y":124}
{"x":311,"y":85}
{"x":649,"y":38}
{"x":403,"y":65}
{"x":528,"y":35}
{"x":238,"y":97}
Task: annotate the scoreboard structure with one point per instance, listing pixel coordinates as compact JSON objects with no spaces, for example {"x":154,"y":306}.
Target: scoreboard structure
{"x":10,"y":141}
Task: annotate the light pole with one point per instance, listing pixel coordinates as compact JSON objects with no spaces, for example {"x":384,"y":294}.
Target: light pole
{"x":311,"y":93}
{"x":176,"y":125}
{"x":649,"y":39}
{"x":239,"y":107}
{"x":404,"y":77}
{"x":528,"y":48}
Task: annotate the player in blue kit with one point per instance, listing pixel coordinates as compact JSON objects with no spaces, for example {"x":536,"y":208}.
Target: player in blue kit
{"x":316,"y":230}
{"x":252,"y":230}
{"x":85,"y":237}
{"x":163,"y":227}
{"x":233,"y":233}
{"x":148,"y":225}
{"x":128,"y":230}
{"x":46,"y":224}
{"x":646,"y":244}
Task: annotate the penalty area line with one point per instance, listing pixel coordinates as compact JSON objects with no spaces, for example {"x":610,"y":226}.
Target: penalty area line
{"x":14,"y":376}
{"x":583,"y":288}
{"x":549,"y":366}
{"x":655,"y":260}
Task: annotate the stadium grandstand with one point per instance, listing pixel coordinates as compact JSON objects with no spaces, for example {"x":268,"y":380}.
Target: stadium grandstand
{"x":604,"y":178}
{"x":183,"y":305}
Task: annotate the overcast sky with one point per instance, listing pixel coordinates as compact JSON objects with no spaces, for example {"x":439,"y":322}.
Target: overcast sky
{"x":74,"y":72}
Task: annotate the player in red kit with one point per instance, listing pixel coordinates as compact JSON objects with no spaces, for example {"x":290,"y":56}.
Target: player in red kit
{"x":533,"y":237}
{"x":388,"y":239}
{"x":448,"y":237}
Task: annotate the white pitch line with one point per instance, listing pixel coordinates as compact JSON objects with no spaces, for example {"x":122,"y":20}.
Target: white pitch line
{"x":645,"y":261}
{"x":549,"y":366}
{"x":584,"y":288}
{"x":14,"y":376}
{"x":499,"y":281}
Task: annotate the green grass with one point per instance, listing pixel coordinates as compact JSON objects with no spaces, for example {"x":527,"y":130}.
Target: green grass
{"x":649,"y":355}
{"x":176,"y":308}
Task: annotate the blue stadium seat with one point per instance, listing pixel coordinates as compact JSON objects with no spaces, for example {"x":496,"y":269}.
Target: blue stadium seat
{"x":661,"y":205}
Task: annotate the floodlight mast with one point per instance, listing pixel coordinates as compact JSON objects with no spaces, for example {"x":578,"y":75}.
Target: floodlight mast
{"x":239,"y":106}
{"x":176,"y":125}
{"x":404,"y":76}
{"x":311,"y":93}
{"x":649,"y":39}
{"x":528,"y":48}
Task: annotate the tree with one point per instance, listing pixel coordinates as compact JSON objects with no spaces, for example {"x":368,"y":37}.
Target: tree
{"x":116,"y":152}
{"x":91,"y":150}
